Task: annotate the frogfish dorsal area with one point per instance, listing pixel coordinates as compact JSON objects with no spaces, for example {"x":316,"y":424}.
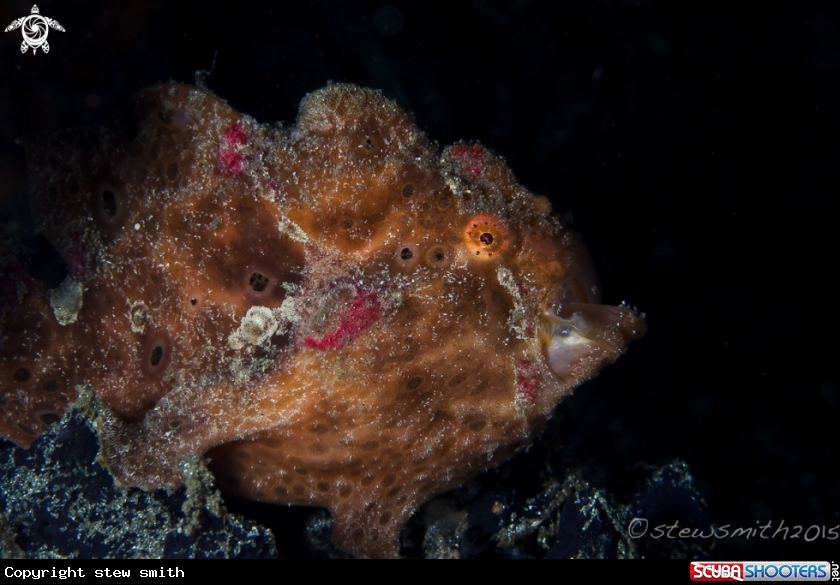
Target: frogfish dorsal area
{"x":334,"y":312}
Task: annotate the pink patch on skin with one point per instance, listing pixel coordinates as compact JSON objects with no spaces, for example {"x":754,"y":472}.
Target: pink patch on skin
{"x":528,"y":380}
{"x":471,"y":157}
{"x":230,"y":159}
{"x":363,"y":310}
{"x":236,"y":135}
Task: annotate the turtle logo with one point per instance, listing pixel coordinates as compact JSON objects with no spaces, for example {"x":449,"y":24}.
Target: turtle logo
{"x":35,"y":28}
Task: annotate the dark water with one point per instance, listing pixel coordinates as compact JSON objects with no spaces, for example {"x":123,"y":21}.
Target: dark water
{"x":695,"y":145}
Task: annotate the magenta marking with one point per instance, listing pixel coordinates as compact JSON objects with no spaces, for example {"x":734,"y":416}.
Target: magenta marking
{"x":528,"y":380}
{"x":363,"y":310}
{"x":230,"y":158}
{"x":471,"y":158}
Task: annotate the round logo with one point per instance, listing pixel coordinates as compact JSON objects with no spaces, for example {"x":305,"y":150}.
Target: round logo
{"x":35,"y":30}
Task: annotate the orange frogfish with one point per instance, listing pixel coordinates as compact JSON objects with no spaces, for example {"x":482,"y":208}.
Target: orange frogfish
{"x":334,"y":313}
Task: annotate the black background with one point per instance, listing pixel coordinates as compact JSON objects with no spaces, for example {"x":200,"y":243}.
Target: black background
{"x":695,"y":144}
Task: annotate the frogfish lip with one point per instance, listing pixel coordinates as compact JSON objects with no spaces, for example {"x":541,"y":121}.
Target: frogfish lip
{"x":579,"y":335}
{"x":578,"y":339}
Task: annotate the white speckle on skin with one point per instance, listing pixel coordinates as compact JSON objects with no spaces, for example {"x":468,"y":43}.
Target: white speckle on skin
{"x":256,"y":328}
{"x":66,"y":301}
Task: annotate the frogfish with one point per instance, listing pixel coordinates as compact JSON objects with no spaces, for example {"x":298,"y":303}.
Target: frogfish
{"x":334,"y":313}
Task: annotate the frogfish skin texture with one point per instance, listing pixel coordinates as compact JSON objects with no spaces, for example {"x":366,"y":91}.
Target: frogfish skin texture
{"x":335,"y":313}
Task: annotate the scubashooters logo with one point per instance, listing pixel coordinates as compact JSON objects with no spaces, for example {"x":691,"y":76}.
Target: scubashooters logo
{"x":760,"y":571}
{"x":35,"y":29}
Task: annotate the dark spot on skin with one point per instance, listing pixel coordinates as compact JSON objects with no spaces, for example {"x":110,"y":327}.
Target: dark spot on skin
{"x":368,"y":143}
{"x":457,"y":380}
{"x":172,"y":171}
{"x":443,"y":202}
{"x":175,"y":424}
{"x":109,"y":203}
{"x":384,"y":518}
{"x":347,"y":224}
{"x":345,"y":491}
{"x":193,"y":302}
{"x":477,"y":425}
{"x":21,"y":375}
{"x":414,"y":383}
{"x":408,"y":190}
{"x":406,"y":254}
{"x":258,"y":282}
{"x":157,"y":355}
{"x":165,"y":116}
{"x":323,"y":487}
{"x":49,"y":418}
{"x":436,"y":255}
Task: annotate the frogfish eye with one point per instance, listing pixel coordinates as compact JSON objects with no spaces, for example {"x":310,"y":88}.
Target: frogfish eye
{"x":486,"y":236}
